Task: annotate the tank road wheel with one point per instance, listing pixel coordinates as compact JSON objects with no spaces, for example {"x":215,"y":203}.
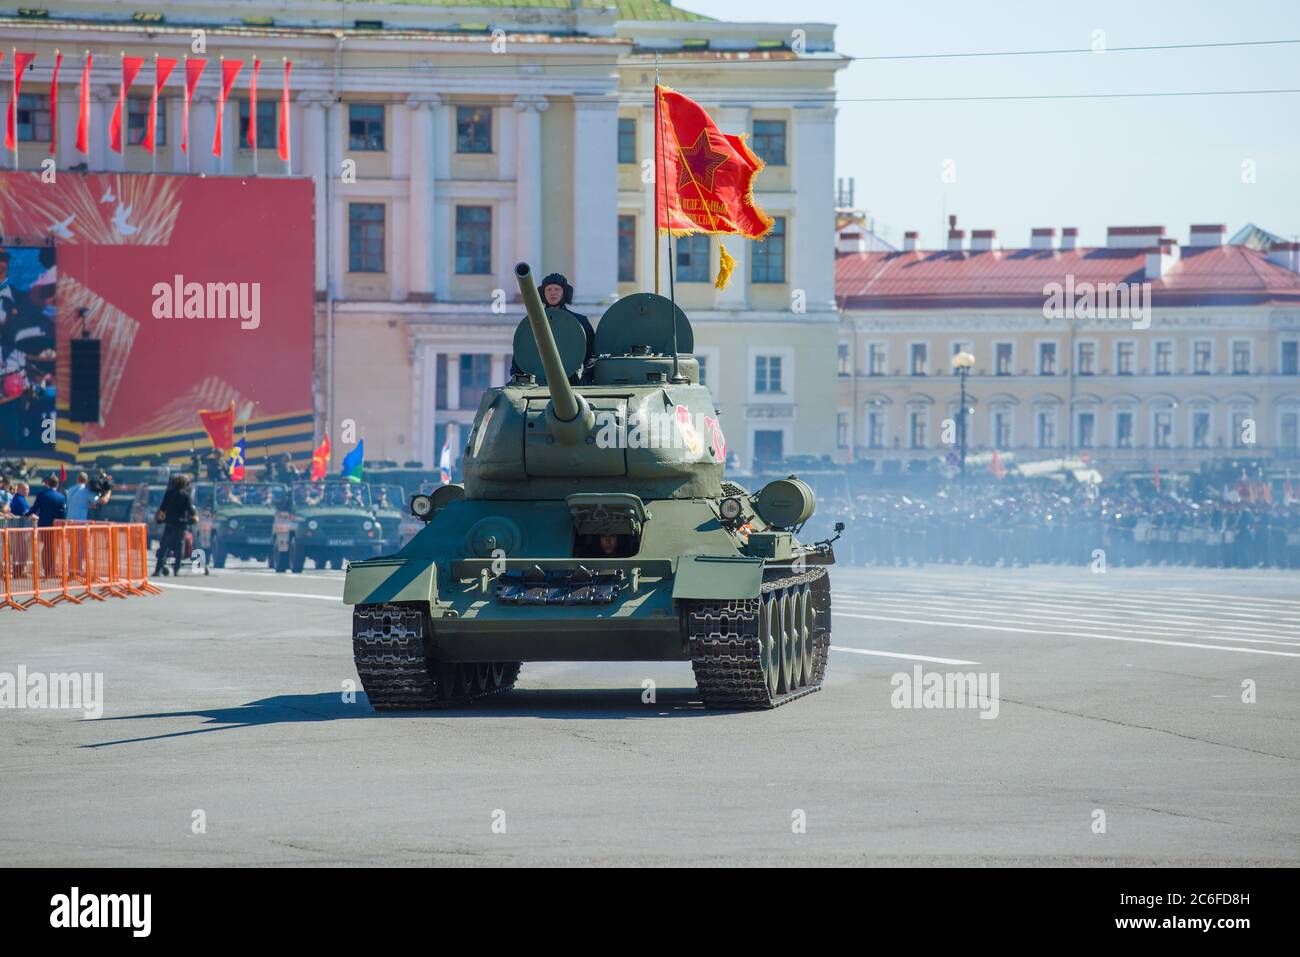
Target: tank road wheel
{"x":743,"y":651}
{"x":496,"y":671}
{"x":392,"y":646}
{"x":788,"y":669}
{"x":769,"y":653}
{"x":807,"y":634}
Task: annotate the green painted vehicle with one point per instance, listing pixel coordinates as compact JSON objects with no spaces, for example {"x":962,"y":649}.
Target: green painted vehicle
{"x":237,"y":519}
{"x":394,"y":515}
{"x":594,"y":524}
{"x":329,"y":522}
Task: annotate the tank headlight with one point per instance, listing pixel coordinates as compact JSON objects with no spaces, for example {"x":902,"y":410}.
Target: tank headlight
{"x":313,"y":525}
{"x":233,"y":523}
{"x":422,"y":507}
{"x":730,"y":509}
{"x":367,"y":525}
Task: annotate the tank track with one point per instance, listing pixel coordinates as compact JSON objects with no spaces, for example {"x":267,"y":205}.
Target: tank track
{"x":398,"y":672}
{"x":725,"y":650}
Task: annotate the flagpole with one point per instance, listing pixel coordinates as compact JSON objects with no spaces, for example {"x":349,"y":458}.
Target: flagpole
{"x":654,"y":223}
{"x":252,"y":117}
{"x":672,"y":291}
{"x":13,"y":105}
{"x":153,"y":145}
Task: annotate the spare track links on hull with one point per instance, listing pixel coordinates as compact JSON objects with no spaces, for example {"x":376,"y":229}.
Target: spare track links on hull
{"x":388,"y":646}
{"x":762,"y":652}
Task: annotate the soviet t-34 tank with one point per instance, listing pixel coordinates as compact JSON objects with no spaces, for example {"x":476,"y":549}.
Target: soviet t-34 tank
{"x":594,"y":525}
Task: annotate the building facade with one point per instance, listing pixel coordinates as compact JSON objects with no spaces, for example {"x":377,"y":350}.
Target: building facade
{"x":443,"y":151}
{"x":1131,"y":354}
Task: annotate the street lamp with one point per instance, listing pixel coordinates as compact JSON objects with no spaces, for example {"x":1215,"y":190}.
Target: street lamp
{"x":961,"y":363}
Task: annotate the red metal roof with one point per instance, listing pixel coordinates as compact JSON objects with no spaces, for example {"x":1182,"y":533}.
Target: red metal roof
{"x":1204,"y":276}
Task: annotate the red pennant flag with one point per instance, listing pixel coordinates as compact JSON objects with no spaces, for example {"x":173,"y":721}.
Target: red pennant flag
{"x":252,"y":105}
{"x":282,"y":138}
{"x":21,"y":61}
{"x":130,"y":70}
{"x":162,"y":70}
{"x":193,"y":70}
{"x":220,"y":426}
{"x":707,"y":176}
{"x":999,"y":470}
{"x":63,"y":474}
{"x":320,"y":461}
{"x":83,"y":117}
{"x":229,"y":70}
{"x":54,"y":102}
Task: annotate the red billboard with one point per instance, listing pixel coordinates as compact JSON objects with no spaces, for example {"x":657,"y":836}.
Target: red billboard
{"x":201,"y":292}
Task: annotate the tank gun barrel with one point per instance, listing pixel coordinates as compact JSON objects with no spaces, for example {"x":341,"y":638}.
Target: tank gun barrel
{"x":563,"y":399}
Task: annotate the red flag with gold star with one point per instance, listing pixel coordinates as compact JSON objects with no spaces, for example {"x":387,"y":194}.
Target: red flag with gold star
{"x":706,"y":177}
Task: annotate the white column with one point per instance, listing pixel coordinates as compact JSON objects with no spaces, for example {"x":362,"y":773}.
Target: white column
{"x":810,"y":237}
{"x":311,"y":155}
{"x":335,"y":138}
{"x":424,"y":412}
{"x":422,"y":244}
{"x":113,"y":161}
{"x":203,"y":127}
{"x":498,"y":370}
{"x":504,"y":241}
{"x":453,"y":383}
{"x":734,"y":120}
{"x":528,"y":182}
{"x":647,"y":236}
{"x":170,"y":156}
{"x":595,"y":200}
{"x":101,"y":109}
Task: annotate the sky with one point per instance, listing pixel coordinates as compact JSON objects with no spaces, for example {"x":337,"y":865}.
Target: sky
{"x":1084,"y":163}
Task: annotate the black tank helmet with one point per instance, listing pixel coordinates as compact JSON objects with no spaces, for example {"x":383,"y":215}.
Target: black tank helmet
{"x":557,"y":279}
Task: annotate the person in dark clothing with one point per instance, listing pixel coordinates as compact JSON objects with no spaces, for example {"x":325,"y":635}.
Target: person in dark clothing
{"x":175,"y":513}
{"x":557,"y":292}
{"x":49,"y":503}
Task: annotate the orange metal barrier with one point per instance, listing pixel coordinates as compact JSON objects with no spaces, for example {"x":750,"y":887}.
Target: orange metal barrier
{"x":73,"y":562}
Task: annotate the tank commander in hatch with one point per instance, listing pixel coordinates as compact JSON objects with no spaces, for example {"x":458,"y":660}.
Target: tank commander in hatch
{"x":556,"y":292}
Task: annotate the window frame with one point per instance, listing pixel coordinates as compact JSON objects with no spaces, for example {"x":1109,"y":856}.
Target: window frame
{"x":367,"y":124}
{"x":462,"y":118}
{"x":457,"y":225}
{"x":354,"y":223}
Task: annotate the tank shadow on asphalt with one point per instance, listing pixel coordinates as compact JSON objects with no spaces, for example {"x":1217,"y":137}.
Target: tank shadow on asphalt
{"x":556,"y":704}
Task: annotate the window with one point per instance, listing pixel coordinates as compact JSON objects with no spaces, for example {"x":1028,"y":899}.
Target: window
{"x":1201,"y":429}
{"x":704,"y":369}
{"x":1125,"y":354}
{"x":1124,"y":430}
{"x":1085,"y":428}
{"x":919,"y":358}
{"x":1289,"y":438}
{"x":1163,"y":430}
{"x":875,"y":430}
{"x":916,"y":428}
{"x":769,"y":141}
{"x":266,"y":131}
{"x":473,"y":129}
{"x":1047,"y":358}
{"x":1002,"y":429}
{"x":768,"y":446}
{"x":843,"y":356}
{"x":1164,"y":357}
{"x":1242,"y":430}
{"x":627,"y":249}
{"x":34,"y":118}
{"x":365,"y":126}
{"x":473,"y":240}
{"x":1002,"y":358}
{"x":1087,"y":358}
{"x":842,"y":430}
{"x":767,"y":375}
{"x":366,"y":237}
{"x":876,"y":357}
{"x":475,"y":377}
{"x":1291,"y":357}
{"x":1046,"y":430}
{"x":1202,"y":355}
{"x":137,"y":121}
{"x":769,"y":255}
{"x":693,"y":258}
{"x":1241,"y":357}
{"x":626,"y":139}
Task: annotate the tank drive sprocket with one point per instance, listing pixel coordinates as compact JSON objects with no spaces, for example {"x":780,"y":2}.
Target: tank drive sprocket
{"x":391,"y":649}
{"x":760,"y":653}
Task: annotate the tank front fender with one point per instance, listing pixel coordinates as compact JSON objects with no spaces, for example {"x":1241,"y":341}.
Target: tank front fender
{"x":379,"y":580}
{"x":717,"y":576}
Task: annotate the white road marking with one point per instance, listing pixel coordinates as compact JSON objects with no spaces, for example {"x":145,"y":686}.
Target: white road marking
{"x":1000,"y":612}
{"x":898,"y":654}
{"x":1071,"y":634}
{"x":248,"y":591}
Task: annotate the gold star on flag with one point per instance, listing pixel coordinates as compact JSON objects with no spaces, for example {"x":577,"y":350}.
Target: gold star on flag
{"x":699,"y":162}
